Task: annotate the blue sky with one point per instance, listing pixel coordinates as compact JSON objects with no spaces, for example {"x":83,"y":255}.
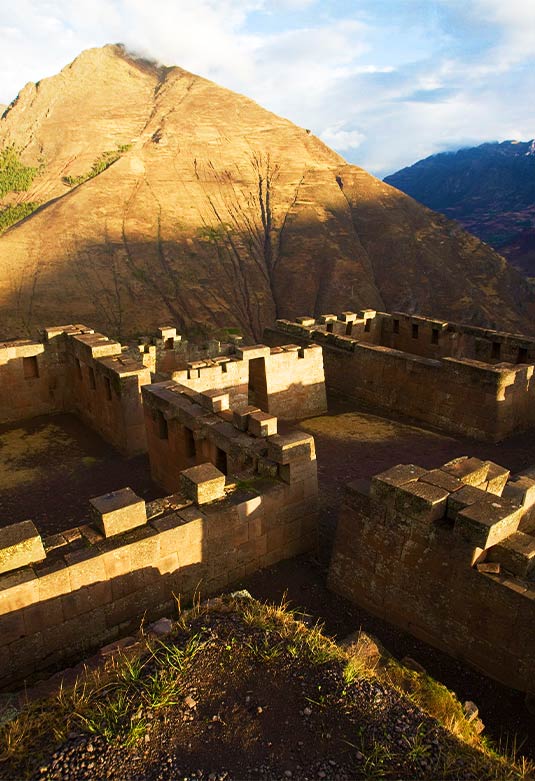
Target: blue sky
{"x":384,"y":82}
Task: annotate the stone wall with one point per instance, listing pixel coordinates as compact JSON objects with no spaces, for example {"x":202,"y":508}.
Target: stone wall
{"x":31,"y":380}
{"x":168,"y":351}
{"x":74,"y":369}
{"x":418,"y":335}
{"x":75,"y":591}
{"x":448,"y":555}
{"x":105,"y":390}
{"x":287,"y":381}
{"x":424,"y":369}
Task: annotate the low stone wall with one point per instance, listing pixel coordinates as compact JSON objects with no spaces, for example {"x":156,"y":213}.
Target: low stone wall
{"x":445,"y":556}
{"x":99,"y":581}
{"x":457,"y":394}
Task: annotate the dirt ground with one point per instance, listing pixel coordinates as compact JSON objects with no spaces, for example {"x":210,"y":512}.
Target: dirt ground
{"x":301,"y":582}
{"x":354,"y":444}
{"x":243,"y":692}
{"x":51,"y":466}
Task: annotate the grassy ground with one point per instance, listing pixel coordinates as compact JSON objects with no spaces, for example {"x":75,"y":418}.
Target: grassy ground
{"x":245,"y":690}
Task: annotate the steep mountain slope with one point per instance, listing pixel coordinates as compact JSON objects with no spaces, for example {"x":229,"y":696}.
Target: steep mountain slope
{"x":211,"y":212}
{"x":489,"y":189}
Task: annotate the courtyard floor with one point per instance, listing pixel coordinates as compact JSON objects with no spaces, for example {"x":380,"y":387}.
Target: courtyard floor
{"x":52,"y":465}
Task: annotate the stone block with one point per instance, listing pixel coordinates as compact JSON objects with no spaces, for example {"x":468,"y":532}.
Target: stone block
{"x":308,"y":322}
{"x":284,"y":448}
{"x":329,"y":318}
{"x":442,"y":480}
{"x":255,"y":351}
{"x":421,"y":501}
{"x":262,"y":424}
{"x":215,"y":400}
{"x":17,"y":590}
{"x":20,"y":545}
{"x":465,"y":497}
{"x":118,"y":511}
{"x":487,"y":523}
{"x":497,"y":478}
{"x":266,"y":467}
{"x":12,"y":626}
{"x":401,"y":474}
{"x":40,"y":616}
{"x":203,"y":483}
{"x":52,"y":579}
{"x":516,"y":554}
{"x":383,"y":487}
{"x":489,"y":567}
{"x":240,"y":416}
{"x":521,"y":491}
{"x":166,"y":332}
{"x":471,"y":471}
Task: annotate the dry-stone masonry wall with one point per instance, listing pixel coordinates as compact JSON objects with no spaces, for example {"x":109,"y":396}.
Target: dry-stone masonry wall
{"x":87,"y":586}
{"x":77,"y":370}
{"x":449,"y":555}
{"x":460,"y":378}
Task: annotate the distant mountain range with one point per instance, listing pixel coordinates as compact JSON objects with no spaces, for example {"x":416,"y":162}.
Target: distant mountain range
{"x":489,"y":189}
{"x":134,"y":195}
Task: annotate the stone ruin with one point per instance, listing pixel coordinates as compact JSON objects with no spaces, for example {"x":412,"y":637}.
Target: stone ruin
{"x":240,"y":496}
{"x":448,"y":554}
{"x":67,"y":593}
{"x":458,"y":378}
{"x":74,"y":369}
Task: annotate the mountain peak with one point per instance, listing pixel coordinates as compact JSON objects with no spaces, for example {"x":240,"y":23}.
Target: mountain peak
{"x":165,"y":197}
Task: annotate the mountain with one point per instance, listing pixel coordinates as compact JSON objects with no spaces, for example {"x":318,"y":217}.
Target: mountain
{"x":147,"y":195}
{"x":489,"y":189}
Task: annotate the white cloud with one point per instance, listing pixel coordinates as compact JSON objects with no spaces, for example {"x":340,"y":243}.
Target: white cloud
{"x":342,"y":139}
{"x":385,"y":83}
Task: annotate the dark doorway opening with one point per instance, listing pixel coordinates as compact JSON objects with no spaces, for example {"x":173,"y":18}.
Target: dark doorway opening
{"x":258,"y":383}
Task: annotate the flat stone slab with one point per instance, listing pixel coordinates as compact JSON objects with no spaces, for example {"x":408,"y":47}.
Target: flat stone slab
{"x":471,"y":471}
{"x":443,"y":480}
{"x":383,"y":485}
{"x":466,"y":496}
{"x":20,"y":545}
{"x":401,"y":474}
{"x":421,"y":501}
{"x":203,"y":483}
{"x":118,"y":511}
{"x":487,"y":523}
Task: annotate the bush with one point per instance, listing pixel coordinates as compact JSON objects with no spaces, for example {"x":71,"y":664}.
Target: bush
{"x":14,"y":175}
{"x":101,"y":163}
{"x":12,"y":214}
